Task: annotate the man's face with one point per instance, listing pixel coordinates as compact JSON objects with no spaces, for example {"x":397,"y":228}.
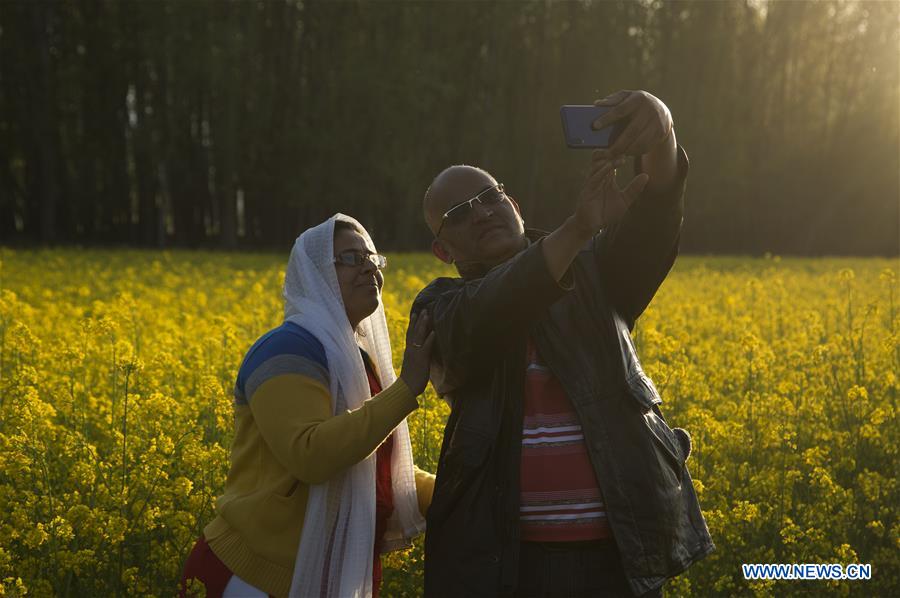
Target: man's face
{"x":488,"y":233}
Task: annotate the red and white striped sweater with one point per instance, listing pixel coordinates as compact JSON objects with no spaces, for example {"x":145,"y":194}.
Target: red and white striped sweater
{"x":560,"y":495}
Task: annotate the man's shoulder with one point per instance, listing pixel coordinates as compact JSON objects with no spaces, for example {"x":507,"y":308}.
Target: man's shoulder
{"x":435,"y":289}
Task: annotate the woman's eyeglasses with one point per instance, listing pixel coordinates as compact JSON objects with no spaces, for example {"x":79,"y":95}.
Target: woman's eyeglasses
{"x":358,"y":258}
{"x":462,"y":211}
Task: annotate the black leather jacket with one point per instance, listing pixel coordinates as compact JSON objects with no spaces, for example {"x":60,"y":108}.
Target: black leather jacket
{"x":581,"y":327}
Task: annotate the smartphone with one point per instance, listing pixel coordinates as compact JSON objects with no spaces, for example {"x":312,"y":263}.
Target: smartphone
{"x":576,"y":122}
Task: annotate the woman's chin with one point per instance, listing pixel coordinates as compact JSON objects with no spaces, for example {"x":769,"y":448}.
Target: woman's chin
{"x":372,"y":302}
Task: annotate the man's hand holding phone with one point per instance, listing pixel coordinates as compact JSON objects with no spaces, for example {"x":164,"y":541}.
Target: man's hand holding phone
{"x":626,"y":123}
{"x":647,"y":122}
{"x":647,"y":131}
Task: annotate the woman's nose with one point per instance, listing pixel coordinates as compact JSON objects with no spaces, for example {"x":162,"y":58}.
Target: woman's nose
{"x":367,"y":266}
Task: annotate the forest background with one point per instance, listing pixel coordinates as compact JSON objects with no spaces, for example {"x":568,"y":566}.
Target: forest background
{"x":239,"y":124}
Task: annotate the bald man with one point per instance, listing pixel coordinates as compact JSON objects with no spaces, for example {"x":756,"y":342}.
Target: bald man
{"x":558,"y":474}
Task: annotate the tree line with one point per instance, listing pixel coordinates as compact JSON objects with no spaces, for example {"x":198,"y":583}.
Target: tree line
{"x":238,"y":124}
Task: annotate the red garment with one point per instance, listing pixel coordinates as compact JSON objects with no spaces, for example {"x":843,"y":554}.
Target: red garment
{"x":203,"y":565}
{"x":560,"y":496}
{"x":384,"y":494}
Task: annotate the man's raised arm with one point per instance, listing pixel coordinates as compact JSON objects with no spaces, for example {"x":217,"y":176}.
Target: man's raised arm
{"x":637,"y":251}
{"x":475,"y":320}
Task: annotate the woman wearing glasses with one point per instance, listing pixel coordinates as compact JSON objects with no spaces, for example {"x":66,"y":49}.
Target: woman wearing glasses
{"x":322,"y":479}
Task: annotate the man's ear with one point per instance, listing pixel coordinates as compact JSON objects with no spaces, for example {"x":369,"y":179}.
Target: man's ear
{"x":441,"y":252}
{"x":515,"y":206}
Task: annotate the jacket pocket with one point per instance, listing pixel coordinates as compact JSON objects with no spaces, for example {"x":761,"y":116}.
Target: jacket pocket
{"x":280,"y":509}
{"x":667,"y":441}
{"x":643,"y":390}
{"x":669,"y":444}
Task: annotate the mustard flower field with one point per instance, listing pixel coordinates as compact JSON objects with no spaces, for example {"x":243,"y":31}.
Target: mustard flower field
{"x":116,"y":370}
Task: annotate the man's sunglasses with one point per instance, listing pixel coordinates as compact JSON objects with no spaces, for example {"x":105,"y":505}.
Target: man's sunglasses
{"x":462,"y":211}
{"x":358,"y":258}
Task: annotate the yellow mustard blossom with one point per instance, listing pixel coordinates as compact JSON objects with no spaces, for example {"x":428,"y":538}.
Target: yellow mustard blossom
{"x":116,"y":371}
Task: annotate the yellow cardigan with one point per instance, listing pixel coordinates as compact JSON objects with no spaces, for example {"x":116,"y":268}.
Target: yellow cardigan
{"x":281,"y":446}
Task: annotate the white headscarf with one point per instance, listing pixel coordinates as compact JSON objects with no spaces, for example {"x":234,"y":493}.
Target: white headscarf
{"x":335,"y":553}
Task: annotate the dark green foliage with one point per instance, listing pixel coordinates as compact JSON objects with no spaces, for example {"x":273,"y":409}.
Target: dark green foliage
{"x":239,"y":124}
